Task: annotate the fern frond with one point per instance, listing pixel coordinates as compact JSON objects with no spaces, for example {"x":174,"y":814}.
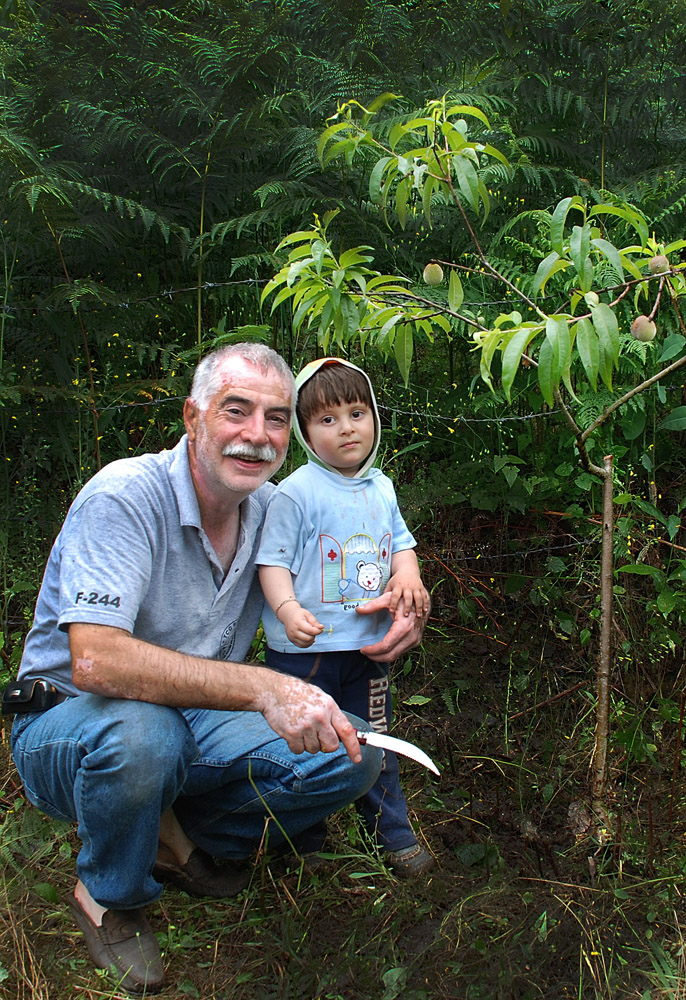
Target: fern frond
{"x":124,"y":207}
{"x":537,"y":216}
{"x":83,"y":289}
{"x":253,"y":262}
{"x":18,"y":149}
{"x":32,"y":188}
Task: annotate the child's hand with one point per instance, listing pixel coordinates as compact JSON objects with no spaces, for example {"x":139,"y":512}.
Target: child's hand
{"x":410,"y":589}
{"x":301,"y":626}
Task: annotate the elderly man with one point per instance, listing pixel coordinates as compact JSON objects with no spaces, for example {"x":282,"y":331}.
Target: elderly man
{"x":144,"y":726}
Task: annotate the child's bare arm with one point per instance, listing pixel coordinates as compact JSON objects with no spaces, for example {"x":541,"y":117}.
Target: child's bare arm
{"x":277,"y":586}
{"x":406,"y":584}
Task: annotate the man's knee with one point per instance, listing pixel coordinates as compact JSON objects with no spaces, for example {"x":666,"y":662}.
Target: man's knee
{"x":136,"y":747}
{"x":362,"y":776}
{"x":143,"y":739}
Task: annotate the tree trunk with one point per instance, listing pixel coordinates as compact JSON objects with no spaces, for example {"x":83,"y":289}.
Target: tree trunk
{"x":605,"y":657}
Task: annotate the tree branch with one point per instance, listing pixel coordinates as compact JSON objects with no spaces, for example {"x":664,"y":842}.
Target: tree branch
{"x":580,"y":441}
{"x":628,"y":395}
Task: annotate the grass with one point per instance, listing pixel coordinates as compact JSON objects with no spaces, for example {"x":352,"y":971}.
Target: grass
{"x":524,"y":903}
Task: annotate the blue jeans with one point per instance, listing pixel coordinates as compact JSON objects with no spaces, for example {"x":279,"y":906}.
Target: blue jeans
{"x":114,"y":766}
{"x":361,"y":686}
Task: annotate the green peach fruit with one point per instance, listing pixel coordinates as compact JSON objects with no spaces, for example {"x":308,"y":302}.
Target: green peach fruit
{"x":433,"y":274}
{"x":658,"y":264}
{"x":643,"y":329}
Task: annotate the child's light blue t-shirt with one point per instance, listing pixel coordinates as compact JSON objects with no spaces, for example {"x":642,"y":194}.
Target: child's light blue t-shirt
{"x":336,"y":535}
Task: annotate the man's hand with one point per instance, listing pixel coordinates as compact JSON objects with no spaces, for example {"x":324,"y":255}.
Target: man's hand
{"x":307,"y":718}
{"x":405,"y":633}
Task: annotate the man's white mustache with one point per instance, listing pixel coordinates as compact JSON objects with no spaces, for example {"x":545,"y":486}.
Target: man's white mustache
{"x":256,"y":453}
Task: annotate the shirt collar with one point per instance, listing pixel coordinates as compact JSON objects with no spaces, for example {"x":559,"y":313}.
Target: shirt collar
{"x":182,"y":485}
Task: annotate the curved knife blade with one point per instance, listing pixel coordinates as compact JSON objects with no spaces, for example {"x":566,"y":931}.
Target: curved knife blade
{"x":398,"y":746}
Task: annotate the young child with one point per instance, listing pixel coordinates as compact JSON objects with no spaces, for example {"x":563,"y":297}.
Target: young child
{"x":333,"y":537}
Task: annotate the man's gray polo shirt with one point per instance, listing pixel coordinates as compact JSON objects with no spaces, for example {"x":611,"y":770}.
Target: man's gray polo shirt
{"x":132,"y":554}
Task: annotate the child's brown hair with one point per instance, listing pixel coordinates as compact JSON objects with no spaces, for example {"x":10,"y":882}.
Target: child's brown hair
{"x":331,"y":385}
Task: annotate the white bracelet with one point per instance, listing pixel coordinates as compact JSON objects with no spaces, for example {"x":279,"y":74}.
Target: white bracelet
{"x":276,"y":613}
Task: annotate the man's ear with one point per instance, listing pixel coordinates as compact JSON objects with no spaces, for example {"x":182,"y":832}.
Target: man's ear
{"x":190,"y":418}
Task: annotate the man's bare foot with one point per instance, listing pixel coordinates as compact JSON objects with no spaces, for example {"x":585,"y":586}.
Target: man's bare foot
{"x":94,"y":910}
{"x":174,"y":846}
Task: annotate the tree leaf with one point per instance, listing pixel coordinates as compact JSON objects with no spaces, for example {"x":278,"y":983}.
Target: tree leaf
{"x":671,"y":346}
{"x":466,"y":109}
{"x":46,"y":891}
{"x":284,"y":294}
{"x":485,"y":199}
{"x":384,"y":332}
{"x":604,"y":365}
{"x":351,"y":317}
{"x":579,"y":246}
{"x":651,"y":510}
{"x":310,"y":307}
{"x":545,"y":371}
{"x":557,"y":332}
{"x":512,"y":355}
{"x":376,"y":179}
{"x":277,"y":280}
{"x":353,"y":256}
{"x":467,"y":180}
{"x":456,"y":139}
{"x":630,"y":215}
{"x":492,"y":151}
{"x":640,"y":569}
{"x":378,"y":103}
{"x":549,"y":266}
{"x":320,"y":248}
{"x":426,"y":198}
{"x":674,"y":421}
{"x":587,"y":346}
{"x":673,"y":526}
{"x":403,"y":346}
{"x":346,"y":146}
{"x":633,"y":424}
{"x":666,"y":601}
{"x":608,"y":250}
{"x":397,"y":132}
{"x":401,"y":195}
{"x":327,"y":134}
{"x":605,"y":323}
{"x":455,"y":291}
{"x":557,"y":224}
{"x":416,"y":699}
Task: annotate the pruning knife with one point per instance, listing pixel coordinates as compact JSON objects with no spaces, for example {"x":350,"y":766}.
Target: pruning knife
{"x":397,"y":746}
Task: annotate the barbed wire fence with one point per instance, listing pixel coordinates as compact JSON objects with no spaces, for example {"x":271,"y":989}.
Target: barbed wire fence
{"x":467,"y":561}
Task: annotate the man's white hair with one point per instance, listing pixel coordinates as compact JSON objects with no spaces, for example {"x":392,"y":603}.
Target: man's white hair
{"x":206,"y":380}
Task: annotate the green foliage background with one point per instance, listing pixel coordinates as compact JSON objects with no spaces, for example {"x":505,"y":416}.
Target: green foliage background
{"x":152,"y":158}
